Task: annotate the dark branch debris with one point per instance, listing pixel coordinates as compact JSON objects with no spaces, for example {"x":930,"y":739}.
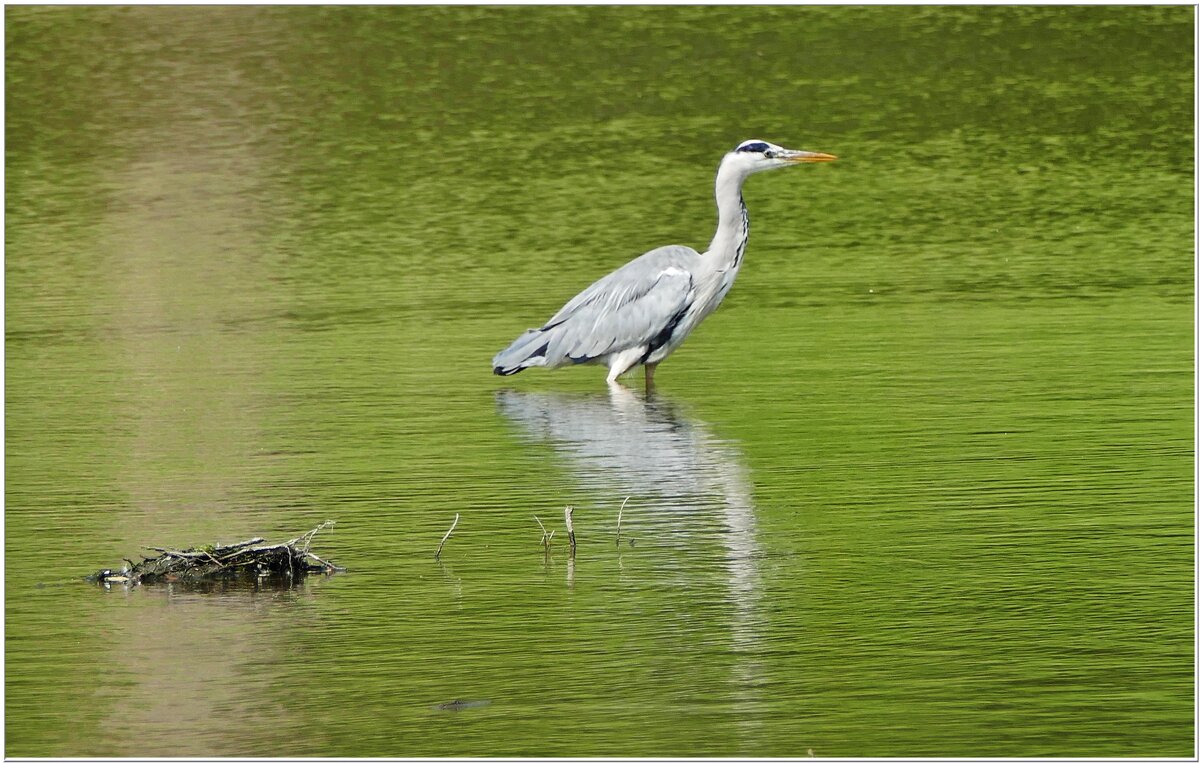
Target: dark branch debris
{"x":249,"y":559}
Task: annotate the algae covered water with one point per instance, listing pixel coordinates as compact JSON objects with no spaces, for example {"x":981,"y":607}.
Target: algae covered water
{"x":922,"y":486}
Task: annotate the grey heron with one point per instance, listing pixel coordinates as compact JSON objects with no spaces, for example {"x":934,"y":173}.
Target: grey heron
{"x":641,"y":312}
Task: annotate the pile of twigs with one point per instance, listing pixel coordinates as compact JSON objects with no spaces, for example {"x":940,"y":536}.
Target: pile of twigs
{"x":247,"y":559}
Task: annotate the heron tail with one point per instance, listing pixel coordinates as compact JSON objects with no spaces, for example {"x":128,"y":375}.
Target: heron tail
{"x":526,"y":351}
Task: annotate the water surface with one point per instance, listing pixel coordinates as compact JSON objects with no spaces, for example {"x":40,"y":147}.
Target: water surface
{"x":922,"y":486}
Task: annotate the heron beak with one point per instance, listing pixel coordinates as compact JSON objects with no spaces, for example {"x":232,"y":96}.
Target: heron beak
{"x":807,"y":156}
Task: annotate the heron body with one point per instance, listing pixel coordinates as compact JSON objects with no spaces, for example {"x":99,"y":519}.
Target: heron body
{"x":641,"y":312}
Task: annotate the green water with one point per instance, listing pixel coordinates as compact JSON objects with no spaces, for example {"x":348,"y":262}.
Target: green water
{"x":922,"y":486}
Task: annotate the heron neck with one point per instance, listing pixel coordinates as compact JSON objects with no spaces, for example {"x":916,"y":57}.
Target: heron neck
{"x":733,"y":224}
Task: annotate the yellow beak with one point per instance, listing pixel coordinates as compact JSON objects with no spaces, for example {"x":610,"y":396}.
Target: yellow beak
{"x":808,"y":156}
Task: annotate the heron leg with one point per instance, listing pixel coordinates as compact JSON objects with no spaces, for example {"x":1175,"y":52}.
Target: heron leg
{"x":620,"y":363}
{"x":650,"y":374}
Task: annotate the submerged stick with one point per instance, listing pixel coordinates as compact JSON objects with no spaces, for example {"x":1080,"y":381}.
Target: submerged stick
{"x":570,"y":529}
{"x":444,"y":537}
{"x":621,"y":511}
{"x":546,"y":537}
{"x":323,"y":563}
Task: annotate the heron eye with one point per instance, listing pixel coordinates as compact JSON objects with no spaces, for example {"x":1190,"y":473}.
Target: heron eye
{"x":757,"y":148}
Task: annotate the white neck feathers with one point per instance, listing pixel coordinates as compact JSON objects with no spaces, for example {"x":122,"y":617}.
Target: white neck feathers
{"x":733,"y":225}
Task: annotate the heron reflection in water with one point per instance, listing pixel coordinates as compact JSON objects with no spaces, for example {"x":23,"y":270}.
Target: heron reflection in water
{"x":629,"y":444}
{"x":640,"y":313}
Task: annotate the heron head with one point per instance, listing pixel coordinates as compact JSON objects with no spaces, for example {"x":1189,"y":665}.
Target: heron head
{"x":757,"y":155}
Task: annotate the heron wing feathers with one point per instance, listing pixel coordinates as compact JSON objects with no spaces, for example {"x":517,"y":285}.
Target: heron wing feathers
{"x":627,"y":308}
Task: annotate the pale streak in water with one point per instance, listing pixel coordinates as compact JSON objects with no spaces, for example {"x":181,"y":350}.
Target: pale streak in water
{"x":629,"y":445}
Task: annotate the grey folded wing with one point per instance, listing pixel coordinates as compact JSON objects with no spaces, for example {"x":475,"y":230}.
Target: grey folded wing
{"x":638,"y":305}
